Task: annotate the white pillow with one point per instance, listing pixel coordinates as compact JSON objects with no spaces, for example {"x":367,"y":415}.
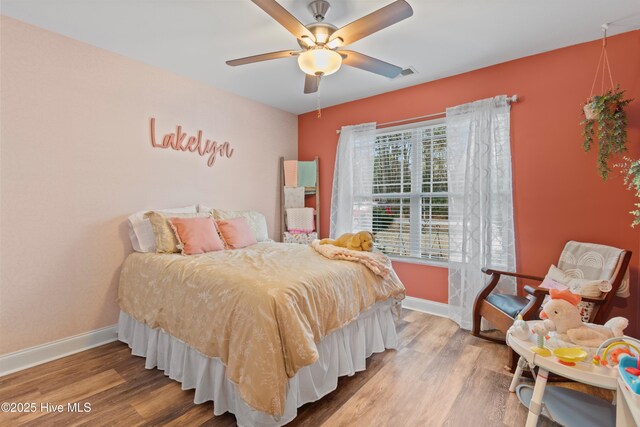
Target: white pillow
{"x":585,"y":287}
{"x":204,"y":208}
{"x":140,"y":231}
{"x":257,"y":221}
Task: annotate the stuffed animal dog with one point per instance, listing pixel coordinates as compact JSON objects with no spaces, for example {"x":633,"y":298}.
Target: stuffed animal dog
{"x":360,"y":241}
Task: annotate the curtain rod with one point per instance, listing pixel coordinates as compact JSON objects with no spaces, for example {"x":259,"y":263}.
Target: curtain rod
{"x":510,"y":99}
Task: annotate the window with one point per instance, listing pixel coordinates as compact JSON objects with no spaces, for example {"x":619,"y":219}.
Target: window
{"x":404,"y":200}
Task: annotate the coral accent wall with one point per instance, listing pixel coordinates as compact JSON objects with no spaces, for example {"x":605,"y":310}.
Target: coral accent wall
{"x":77,"y":159}
{"x":558,"y":195}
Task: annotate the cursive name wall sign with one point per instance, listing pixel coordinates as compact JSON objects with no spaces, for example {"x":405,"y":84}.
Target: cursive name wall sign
{"x":180,"y":141}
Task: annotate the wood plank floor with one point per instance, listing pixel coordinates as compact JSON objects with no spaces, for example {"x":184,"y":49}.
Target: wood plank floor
{"x":439,"y":376}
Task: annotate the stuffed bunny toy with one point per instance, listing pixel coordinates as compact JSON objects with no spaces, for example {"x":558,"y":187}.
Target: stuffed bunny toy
{"x":562,"y":315}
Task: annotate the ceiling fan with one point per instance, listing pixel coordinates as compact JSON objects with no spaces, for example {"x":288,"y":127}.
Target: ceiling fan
{"x":322,"y":43}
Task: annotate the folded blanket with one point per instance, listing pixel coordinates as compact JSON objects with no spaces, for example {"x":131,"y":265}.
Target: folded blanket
{"x":290,"y":173}
{"x":307,"y":174}
{"x":300,"y":219}
{"x":293,"y":197}
{"x":377,"y":262}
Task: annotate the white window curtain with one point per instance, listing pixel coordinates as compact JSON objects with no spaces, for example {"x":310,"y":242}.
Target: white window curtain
{"x":352,"y":171}
{"x":481,"y":232}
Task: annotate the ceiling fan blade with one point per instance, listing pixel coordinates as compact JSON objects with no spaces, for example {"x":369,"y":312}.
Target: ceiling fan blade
{"x":376,"y":21}
{"x":364,"y":62}
{"x":287,"y":20}
{"x":311,"y":83}
{"x":263,"y":57}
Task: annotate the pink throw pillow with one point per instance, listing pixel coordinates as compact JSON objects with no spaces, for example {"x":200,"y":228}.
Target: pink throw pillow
{"x":236,"y":232}
{"x":196,"y":235}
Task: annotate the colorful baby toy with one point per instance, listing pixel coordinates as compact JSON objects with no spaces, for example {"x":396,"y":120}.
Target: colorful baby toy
{"x":541,"y":332}
{"x":629,"y":372}
{"x":610,"y":352}
{"x":570,"y":355}
{"x":519,"y":329}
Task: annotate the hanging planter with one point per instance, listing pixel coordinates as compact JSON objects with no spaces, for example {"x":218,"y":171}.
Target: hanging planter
{"x":608,"y":124}
{"x":605,"y":117}
{"x":589,"y":110}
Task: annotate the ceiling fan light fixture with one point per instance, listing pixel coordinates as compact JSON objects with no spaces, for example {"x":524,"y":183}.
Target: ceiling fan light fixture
{"x":307,"y":41}
{"x":322,"y":37}
{"x":335,"y":43}
{"x":319,"y":62}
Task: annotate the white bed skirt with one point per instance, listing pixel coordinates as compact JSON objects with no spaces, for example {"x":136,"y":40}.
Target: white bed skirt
{"x":343,"y":352}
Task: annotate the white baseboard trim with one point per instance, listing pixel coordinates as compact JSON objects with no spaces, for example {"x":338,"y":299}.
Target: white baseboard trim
{"x":43,"y":353}
{"x":426,"y":306}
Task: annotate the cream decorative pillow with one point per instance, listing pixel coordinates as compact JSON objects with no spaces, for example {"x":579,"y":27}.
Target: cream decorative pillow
{"x":166,"y":240}
{"x":257,"y":222}
{"x":141,"y":233}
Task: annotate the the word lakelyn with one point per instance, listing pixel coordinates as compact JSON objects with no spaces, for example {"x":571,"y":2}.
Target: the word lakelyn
{"x":180,"y":141}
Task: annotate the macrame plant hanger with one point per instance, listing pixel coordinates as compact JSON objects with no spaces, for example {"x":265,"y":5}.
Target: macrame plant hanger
{"x":603,"y":68}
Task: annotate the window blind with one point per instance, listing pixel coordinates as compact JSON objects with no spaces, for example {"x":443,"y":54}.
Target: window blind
{"x":403,"y":198}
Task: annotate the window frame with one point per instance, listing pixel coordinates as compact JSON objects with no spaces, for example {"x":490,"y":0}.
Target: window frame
{"x":416,"y":195}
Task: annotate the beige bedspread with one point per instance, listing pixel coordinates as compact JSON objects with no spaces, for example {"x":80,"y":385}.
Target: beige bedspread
{"x":260,"y":309}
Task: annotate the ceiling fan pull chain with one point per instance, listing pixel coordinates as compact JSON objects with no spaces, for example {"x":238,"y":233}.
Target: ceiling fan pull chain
{"x":318,"y":105}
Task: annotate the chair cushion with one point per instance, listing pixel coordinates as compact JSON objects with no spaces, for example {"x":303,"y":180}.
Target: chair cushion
{"x":509,"y":304}
{"x":594,"y":262}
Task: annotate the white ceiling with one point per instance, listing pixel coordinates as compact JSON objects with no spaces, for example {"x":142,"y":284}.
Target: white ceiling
{"x":193,"y":38}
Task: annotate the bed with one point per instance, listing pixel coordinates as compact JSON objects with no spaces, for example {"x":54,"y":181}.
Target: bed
{"x":261,"y":330}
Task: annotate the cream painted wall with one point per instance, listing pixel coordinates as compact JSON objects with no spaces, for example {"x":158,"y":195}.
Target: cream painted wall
{"x":76,"y":159}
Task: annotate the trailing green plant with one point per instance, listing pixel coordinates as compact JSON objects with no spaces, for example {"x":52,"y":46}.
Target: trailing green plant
{"x":606,"y":119}
{"x":632,"y":180}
